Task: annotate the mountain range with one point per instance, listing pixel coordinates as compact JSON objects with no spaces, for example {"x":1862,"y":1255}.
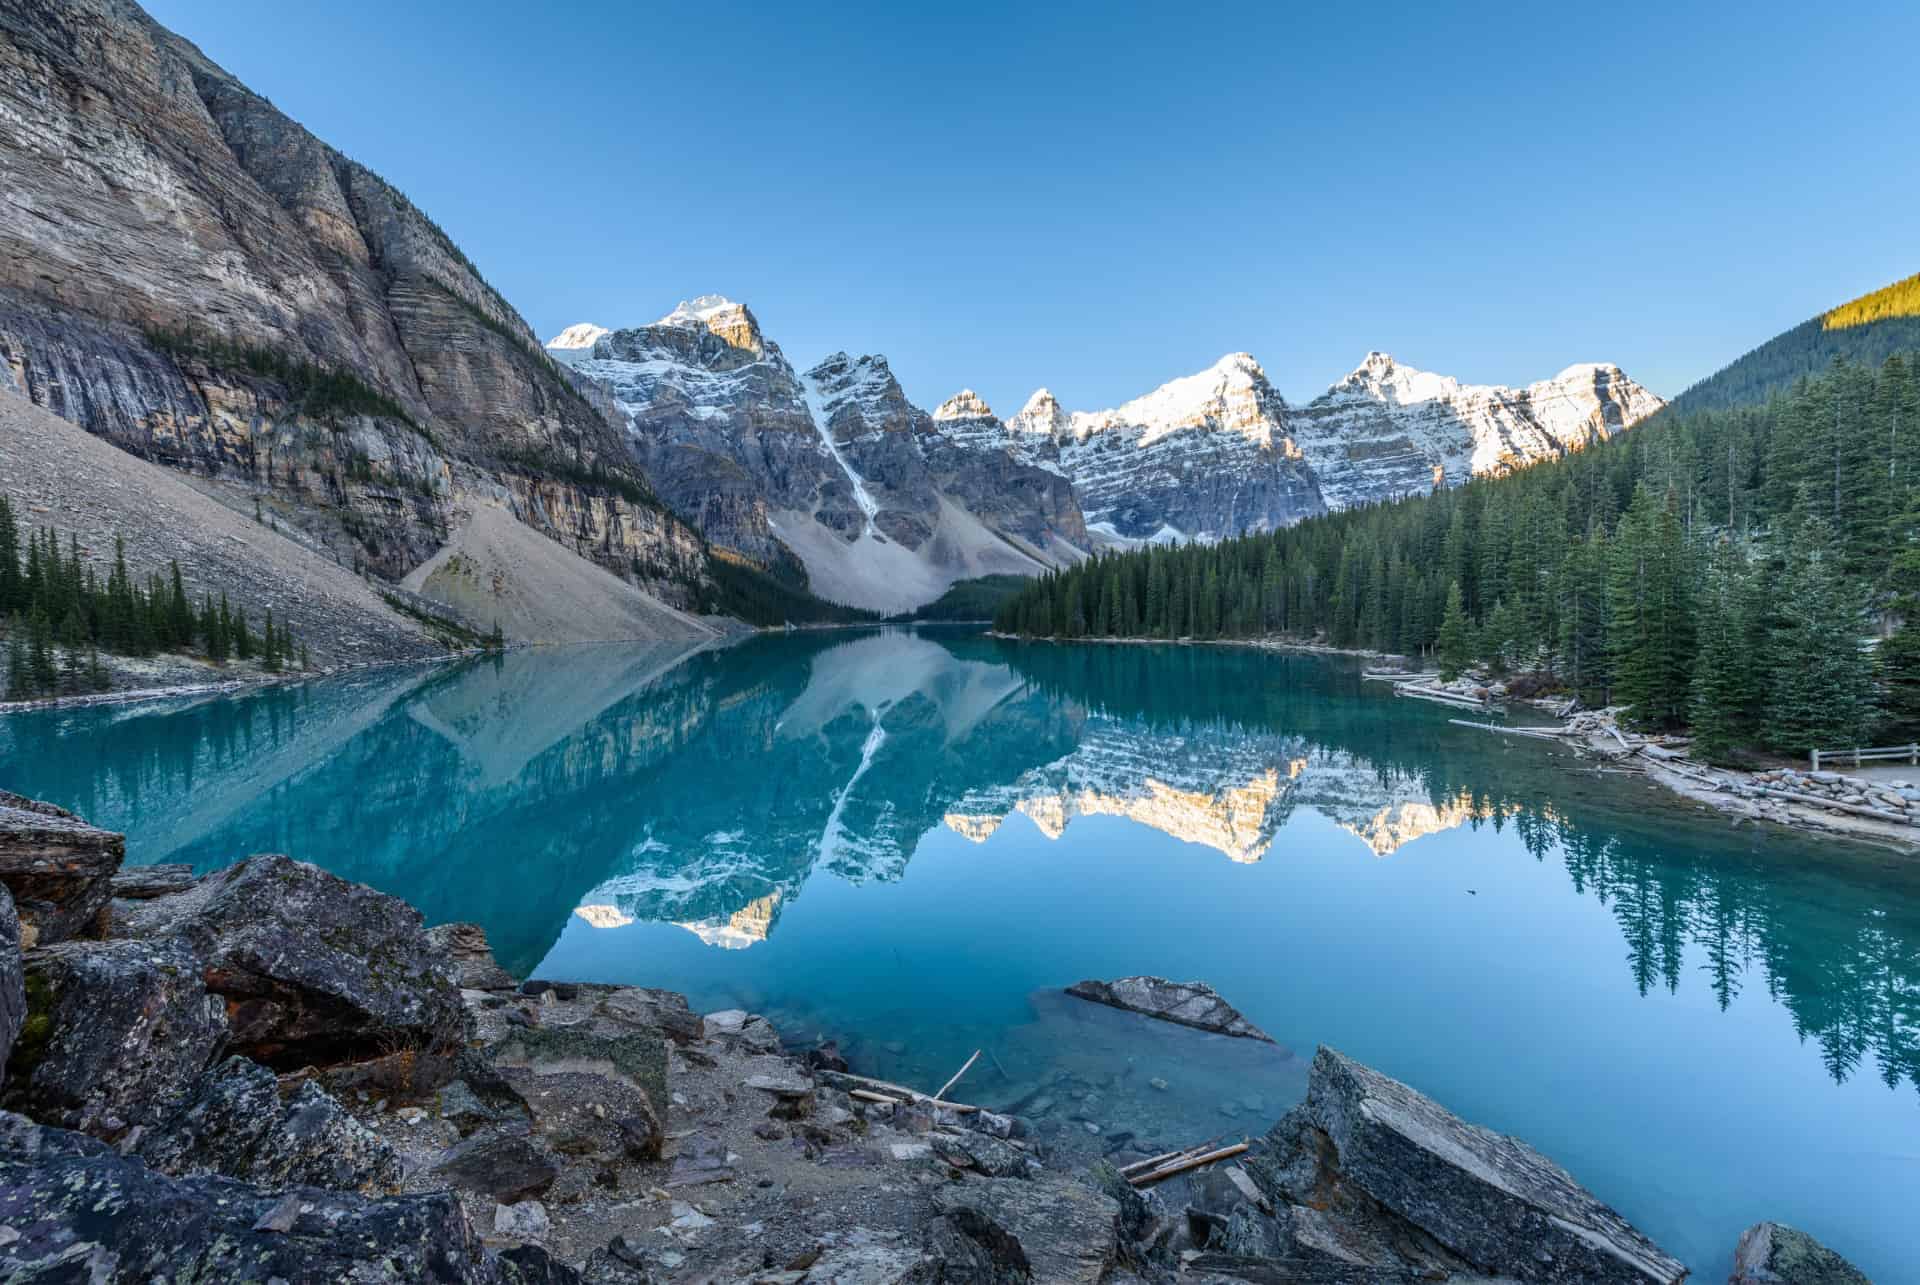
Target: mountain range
{"x":194,"y":277}
{"x":882,"y":505}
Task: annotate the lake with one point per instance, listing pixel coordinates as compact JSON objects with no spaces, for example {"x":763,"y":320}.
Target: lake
{"x":908,"y":841}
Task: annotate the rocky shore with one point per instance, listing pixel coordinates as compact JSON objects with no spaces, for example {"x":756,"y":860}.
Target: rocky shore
{"x":269,"y":1073}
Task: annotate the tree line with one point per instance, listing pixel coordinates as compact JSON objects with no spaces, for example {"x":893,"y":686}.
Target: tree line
{"x":61,"y":614}
{"x":1727,"y":570}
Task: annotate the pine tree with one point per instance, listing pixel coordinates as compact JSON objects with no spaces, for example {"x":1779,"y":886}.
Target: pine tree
{"x":1724,"y":682}
{"x":1650,"y":634}
{"x":19,"y":668}
{"x":1456,"y":636}
{"x":1821,"y":680}
{"x":13,"y":586}
{"x":270,"y":646}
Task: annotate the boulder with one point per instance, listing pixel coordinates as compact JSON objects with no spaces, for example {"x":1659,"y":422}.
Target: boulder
{"x":665,"y":1011}
{"x":1194,"y":1004}
{"x":13,"y":989}
{"x":235,"y":1124}
{"x":116,"y":1034}
{"x":1775,"y":1254}
{"x":981,"y":1153}
{"x":507,"y":1166}
{"x":468,"y":958}
{"x":79,"y":1211}
{"x":1367,"y":1170}
{"x":58,"y":868}
{"x":314,"y":969}
{"x":1052,"y":1228}
{"x":143,"y":883}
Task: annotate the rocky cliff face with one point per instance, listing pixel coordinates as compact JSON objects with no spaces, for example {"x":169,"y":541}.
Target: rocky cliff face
{"x":830,"y":472}
{"x":200,"y":280}
{"x":1388,"y":430}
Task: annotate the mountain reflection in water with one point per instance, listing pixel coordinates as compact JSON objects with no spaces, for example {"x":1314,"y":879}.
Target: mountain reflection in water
{"x":706,"y":788}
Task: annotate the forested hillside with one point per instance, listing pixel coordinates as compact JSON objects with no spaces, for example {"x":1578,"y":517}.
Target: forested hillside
{"x":1865,"y":332}
{"x":1719,"y":569}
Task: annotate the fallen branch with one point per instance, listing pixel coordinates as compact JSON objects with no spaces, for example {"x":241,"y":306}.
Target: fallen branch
{"x":1541,"y":733}
{"x":956,"y":1076}
{"x":1191,"y":1162}
{"x":868,"y":1095}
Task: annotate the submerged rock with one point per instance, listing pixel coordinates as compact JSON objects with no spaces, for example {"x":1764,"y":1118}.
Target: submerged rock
{"x":313,"y":969}
{"x":1368,"y":1171}
{"x":1194,"y":1004}
{"x":1775,"y":1254}
{"x":235,"y":1124}
{"x":79,"y":1211}
{"x":58,"y":868}
{"x":116,"y":1033}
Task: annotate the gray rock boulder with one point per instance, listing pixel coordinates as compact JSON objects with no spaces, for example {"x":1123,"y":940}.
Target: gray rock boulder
{"x":235,"y":1124}
{"x":1775,"y":1254}
{"x":313,"y":969}
{"x":13,"y":990}
{"x":506,"y":1166}
{"x":143,"y":883}
{"x":1368,"y":1171}
{"x":1007,"y":1229}
{"x":81,"y":1212}
{"x":468,"y":957}
{"x":115,"y":1035}
{"x":58,"y":868}
{"x":1194,"y":1004}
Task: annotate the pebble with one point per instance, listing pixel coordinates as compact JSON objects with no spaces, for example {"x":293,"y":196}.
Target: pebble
{"x":1158,"y":1083}
{"x":411,"y":1115}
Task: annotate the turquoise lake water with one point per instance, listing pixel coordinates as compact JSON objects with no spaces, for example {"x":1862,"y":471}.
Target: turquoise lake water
{"x":909,"y":840}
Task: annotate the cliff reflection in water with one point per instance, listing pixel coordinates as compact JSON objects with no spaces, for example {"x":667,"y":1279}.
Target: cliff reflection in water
{"x":706,"y":788}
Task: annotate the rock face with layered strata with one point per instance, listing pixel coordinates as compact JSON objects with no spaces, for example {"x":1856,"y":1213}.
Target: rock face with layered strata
{"x":193,"y":276}
{"x":58,"y":869}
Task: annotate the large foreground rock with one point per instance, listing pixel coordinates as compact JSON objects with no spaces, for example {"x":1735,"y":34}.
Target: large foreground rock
{"x":1775,"y":1254}
{"x":234,"y":1123}
{"x":78,"y":1211}
{"x":1368,"y":1171}
{"x":1010,"y":1229}
{"x":1194,"y":1004}
{"x":468,"y":957}
{"x":313,"y":969}
{"x":115,"y":1035}
{"x":58,"y":868}
{"x":13,"y":991}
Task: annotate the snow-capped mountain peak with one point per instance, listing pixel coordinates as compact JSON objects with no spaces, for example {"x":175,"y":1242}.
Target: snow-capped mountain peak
{"x":718,"y":315}
{"x":582,"y":334}
{"x":1042,"y":415}
{"x":1232,"y":395}
{"x":575,"y":344}
{"x":965,"y":404}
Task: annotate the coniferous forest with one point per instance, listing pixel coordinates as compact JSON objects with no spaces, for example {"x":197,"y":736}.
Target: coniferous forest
{"x":1746,"y":573}
{"x":61,"y":614}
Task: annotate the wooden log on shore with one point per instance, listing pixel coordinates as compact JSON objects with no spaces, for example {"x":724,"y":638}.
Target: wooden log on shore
{"x":1153,"y":1162}
{"x":868,"y":1095}
{"x":1856,"y":809}
{"x":897,"y":1090}
{"x":1180,"y":1166}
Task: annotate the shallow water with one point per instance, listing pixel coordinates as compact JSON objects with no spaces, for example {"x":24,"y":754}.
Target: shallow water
{"x":909,"y":840}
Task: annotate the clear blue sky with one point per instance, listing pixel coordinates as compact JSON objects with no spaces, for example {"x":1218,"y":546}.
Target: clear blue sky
{"x":1101,"y":197}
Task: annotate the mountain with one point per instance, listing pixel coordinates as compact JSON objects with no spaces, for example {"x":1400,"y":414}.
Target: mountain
{"x":194,"y":277}
{"x":1388,"y":430}
{"x":1221,"y":453}
{"x":1865,"y":331}
{"x":574,"y":342}
{"x":828,"y":477}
